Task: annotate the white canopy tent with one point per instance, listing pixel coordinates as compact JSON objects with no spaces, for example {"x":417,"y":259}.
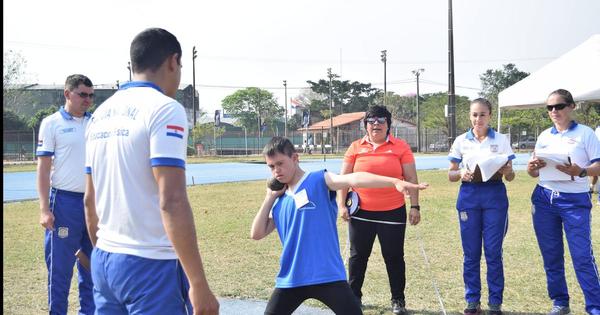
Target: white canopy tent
{"x":577,"y":71}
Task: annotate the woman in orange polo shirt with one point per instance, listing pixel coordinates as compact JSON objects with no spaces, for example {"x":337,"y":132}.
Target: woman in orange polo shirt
{"x":382,"y":211}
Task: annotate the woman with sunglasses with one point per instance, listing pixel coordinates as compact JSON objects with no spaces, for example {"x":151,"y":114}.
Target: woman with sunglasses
{"x":482,"y":205}
{"x":559,"y":204}
{"x":382,"y":211}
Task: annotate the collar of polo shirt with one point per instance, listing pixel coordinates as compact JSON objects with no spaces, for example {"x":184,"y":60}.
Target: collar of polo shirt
{"x":554,"y":131}
{"x":366,"y":139}
{"x":490,"y":133}
{"x":66,"y":115}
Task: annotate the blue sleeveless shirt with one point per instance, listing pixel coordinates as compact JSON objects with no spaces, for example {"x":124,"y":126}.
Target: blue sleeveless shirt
{"x":311,"y":249}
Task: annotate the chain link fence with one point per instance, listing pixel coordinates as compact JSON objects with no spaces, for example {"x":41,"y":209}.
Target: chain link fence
{"x":318,"y":142}
{"x":18,"y":145}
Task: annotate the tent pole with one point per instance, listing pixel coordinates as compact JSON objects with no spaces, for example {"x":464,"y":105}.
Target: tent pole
{"x":499,"y":118}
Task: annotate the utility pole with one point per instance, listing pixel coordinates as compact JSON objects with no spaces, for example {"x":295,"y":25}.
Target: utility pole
{"x":330,"y":75}
{"x":285,"y":125}
{"x":384,"y":59}
{"x":451,"y":95}
{"x":418,"y":73}
{"x":259,"y":122}
{"x":129,"y":68}
{"x":194,"y":82}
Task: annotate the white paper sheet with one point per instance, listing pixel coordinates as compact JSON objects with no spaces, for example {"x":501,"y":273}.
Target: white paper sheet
{"x":488,"y":164}
{"x":552,"y":159}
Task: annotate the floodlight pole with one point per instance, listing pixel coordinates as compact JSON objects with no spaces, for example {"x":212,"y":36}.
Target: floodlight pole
{"x":417,"y":73}
{"x":129,"y":68}
{"x":285,"y":125}
{"x":330,"y":75}
{"x":194,"y":82}
{"x":384,"y":59}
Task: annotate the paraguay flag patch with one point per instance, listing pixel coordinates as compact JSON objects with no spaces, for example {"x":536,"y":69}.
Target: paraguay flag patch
{"x":40,"y":143}
{"x":175,"y":131}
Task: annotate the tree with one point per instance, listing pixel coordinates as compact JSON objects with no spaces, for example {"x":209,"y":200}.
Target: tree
{"x":532,"y":120}
{"x":295,"y":122}
{"x":494,"y":81}
{"x":432,"y":112}
{"x":13,"y":121}
{"x":347,"y":96}
{"x":36,"y":120}
{"x":248,"y":104}
{"x":401,"y":106}
{"x":309,"y":100}
{"x":13,"y":94}
{"x":588,"y":113}
{"x":206,"y":131}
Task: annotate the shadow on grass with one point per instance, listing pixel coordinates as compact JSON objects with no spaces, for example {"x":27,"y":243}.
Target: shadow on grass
{"x":428,"y":312}
{"x":372,"y":309}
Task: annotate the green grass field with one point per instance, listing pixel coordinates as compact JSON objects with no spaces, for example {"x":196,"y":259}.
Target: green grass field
{"x":243,"y":268}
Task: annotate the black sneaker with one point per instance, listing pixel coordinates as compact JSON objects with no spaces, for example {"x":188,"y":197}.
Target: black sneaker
{"x":362,"y":306}
{"x":398,"y":307}
{"x":473,"y":308}
{"x":560,"y":310}
{"x":495,"y":309}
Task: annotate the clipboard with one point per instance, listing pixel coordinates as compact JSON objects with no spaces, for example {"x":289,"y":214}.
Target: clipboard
{"x":550,"y":172}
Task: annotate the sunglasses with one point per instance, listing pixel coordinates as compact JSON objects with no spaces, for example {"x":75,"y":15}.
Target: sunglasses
{"x":556,"y":107}
{"x":379,"y":120}
{"x":85,"y":95}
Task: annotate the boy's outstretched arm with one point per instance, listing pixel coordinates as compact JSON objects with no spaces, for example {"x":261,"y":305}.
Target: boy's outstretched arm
{"x":368,"y":180}
{"x":342,"y":194}
{"x":263,"y":224}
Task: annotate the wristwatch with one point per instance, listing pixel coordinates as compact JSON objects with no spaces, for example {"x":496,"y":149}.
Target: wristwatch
{"x":417,"y":207}
{"x":583,"y":172}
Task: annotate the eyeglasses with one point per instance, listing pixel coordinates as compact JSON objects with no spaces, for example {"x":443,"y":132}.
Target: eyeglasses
{"x":373,"y":120}
{"x":556,"y":107}
{"x":85,"y":95}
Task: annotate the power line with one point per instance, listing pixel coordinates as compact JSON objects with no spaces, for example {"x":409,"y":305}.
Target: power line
{"x":442,"y":83}
{"x":247,"y":86}
{"x":313,"y":61}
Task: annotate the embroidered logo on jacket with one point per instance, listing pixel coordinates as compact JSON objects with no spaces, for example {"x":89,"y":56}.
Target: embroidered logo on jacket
{"x":63,"y":232}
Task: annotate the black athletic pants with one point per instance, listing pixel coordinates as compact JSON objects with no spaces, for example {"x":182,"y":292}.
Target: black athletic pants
{"x":391,"y":239}
{"x":336,"y":295}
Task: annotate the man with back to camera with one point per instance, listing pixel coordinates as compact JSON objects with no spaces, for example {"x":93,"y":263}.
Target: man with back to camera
{"x":146,"y":259}
{"x":60,"y":185}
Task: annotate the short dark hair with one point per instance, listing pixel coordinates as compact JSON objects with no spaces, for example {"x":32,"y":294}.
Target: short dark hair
{"x":565,"y":95}
{"x":279,"y":145}
{"x":379,"y":111}
{"x":483,"y":101}
{"x":74,"y":80}
{"x":150,"y":48}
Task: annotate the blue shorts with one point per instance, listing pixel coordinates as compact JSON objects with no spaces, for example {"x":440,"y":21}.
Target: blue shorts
{"x":127,"y":284}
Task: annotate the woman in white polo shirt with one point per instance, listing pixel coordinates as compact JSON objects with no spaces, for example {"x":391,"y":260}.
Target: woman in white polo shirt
{"x":566,"y":203}
{"x":482,"y":205}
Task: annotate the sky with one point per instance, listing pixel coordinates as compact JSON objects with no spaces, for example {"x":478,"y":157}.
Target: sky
{"x":260,"y":43}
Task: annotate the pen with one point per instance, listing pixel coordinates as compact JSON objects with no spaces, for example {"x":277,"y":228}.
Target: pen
{"x":569,"y":159}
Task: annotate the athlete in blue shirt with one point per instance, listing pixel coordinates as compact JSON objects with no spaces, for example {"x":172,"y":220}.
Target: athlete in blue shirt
{"x":565,"y":204}
{"x":304,"y":213}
